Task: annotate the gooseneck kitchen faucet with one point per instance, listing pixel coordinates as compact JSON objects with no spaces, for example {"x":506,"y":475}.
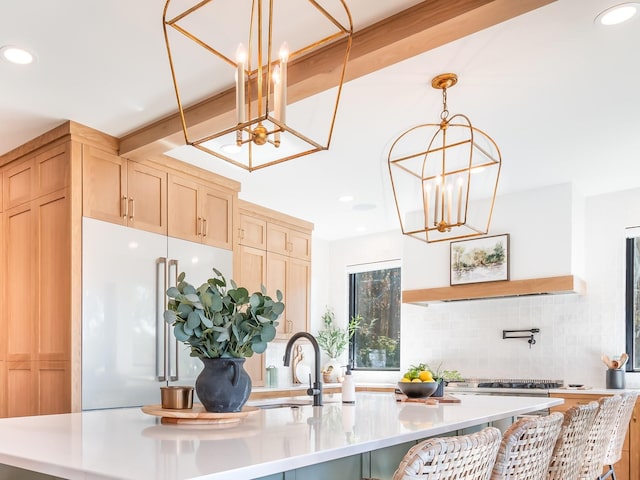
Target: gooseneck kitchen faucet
{"x":316,"y":388}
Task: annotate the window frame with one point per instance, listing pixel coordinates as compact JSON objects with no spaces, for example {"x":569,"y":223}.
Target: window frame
{"x":633,"y":236}
{"x":351,"y":305}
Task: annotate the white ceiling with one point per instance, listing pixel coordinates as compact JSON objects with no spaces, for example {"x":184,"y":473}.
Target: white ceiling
{"x":558,"y":93}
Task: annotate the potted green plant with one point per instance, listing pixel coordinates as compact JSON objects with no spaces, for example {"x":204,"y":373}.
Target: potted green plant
{"x":442,"y":377}
{"x":334,"y":340}
{"x":222,"y":326}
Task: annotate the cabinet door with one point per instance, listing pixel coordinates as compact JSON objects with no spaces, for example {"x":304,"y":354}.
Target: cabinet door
{"x":104,"y":186}
{"x":19,"y":283}
{"x":52,"y":170}
{"x":299,"y":245}
{"x":252,"y":232}
{"x":298,"y":295}
{"x":147,"y":198}
{"x":53,"y":264}
{"x":21,"y":384}
{"x":18,"y":184}
{"x":277,"y":279}
{"x":53,"y":384}
{"x":216,"y":213}
{"x":277,"y":241}
{"x":183,"y":210}
{"x":3,"y":389}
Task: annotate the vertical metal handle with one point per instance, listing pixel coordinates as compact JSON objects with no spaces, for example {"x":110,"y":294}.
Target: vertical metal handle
{"x":173,"y":263}
{"x":199,"y":226}
{"x":124,"y":207}
{"x":206,"y":227}
{"x":241,"y":233}
{"x":133,"y":208}
{"x":289,"y":326}
{"x":161,"y":264}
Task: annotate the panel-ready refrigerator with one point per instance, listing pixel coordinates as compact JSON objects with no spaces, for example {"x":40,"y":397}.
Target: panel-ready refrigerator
{"x":128,"y":350}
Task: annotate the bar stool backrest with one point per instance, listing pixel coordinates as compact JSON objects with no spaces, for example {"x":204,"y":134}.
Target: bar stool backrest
{"x":468,"y":457}
{"x":567,"y":453}
{"x":526,"y":448}
{"x":599,"y":436}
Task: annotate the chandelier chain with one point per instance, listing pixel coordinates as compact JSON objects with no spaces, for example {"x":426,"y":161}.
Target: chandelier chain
{"x":445,"y":112}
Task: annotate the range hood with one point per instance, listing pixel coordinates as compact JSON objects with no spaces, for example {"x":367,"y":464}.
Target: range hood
{"x":566,"y":284}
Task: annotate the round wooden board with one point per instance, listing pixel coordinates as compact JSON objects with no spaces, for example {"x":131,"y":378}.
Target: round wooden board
{"x":197,"y":415}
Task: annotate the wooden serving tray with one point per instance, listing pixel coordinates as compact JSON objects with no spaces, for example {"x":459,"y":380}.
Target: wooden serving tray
{"x":197,"y":415}
{"x":400,"y":397}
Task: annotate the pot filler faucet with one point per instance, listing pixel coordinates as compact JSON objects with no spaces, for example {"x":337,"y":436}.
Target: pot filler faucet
{"x":316,"y":388}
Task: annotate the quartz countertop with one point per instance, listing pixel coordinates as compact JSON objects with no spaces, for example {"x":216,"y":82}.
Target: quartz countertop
{"x":129,"y":444}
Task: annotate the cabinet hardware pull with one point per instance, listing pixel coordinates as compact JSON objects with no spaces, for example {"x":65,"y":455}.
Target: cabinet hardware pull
{"x":289,"y":326}
{"x":124,"y":207}
{"x":161,"y":267}
{"x":199,"y":226}
{"x":133,"y":208}
{"x":241,"y":233}
{"x":206,"y":227}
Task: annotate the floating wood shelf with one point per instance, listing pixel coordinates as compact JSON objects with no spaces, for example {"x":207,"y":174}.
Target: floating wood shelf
{"x":510,"y":288}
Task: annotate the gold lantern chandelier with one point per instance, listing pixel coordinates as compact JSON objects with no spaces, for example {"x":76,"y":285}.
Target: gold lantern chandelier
{"x":444,"y":176}
{"x":250,"y":48}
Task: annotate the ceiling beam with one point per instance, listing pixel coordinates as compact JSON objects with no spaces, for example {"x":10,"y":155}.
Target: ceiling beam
{"x":423,"y":27}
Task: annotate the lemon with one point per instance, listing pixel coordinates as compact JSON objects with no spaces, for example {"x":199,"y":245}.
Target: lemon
{"x":416,"y":380}
{"x":405,"y":379}
{"x":425,"y":376}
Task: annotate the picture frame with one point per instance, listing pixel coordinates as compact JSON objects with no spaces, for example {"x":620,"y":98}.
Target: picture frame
{"x":479,"y":260}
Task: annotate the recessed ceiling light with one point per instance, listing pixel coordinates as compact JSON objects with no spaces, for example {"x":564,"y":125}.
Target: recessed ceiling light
{"x":618,"y":13}
{"x":346,"y":198}
{"x":16,"y":55}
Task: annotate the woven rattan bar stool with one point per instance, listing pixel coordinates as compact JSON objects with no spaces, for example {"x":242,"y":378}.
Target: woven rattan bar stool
{"x":468,"y":457}
{"x":526,"y":448}
{"x":567,"y":453}
{"x":599,"y":435}
{"x":613,"y":452}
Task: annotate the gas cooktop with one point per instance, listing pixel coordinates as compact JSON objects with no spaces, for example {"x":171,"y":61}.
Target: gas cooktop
{"x":541,"y":384}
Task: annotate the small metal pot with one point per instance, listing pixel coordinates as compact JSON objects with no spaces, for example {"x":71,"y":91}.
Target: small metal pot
{"x":176,"y":398}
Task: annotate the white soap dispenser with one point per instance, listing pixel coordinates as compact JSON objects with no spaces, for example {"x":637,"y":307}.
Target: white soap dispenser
{"x":348,"y":387}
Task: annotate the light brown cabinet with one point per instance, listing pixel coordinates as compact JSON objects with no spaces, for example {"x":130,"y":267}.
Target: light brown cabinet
{"x":628,"y":468}
{"x":199,"y":212}
{"x":122,"y":191}
{"x":274,"y":250}
{"x":35,"y":275}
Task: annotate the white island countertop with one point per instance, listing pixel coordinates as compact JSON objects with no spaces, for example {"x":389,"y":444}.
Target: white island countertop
{"x":129,"y":444}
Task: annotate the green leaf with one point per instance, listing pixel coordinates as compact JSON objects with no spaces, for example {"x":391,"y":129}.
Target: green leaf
{"x":179,"y":333}
{"x":268,"y":333}
{"x":255,"y":300}
{"x":279,"y":295}
{"x":189,"y":290}
{"x":181,"y":277}
{"x":259,"y":347}
{"x":216,"y":303}
{"x":184,"y":310}
{"x":173,"y":292}
{"x":278,"y":308}
{"x":193,"y":320}
{"x":204,"y":320}
{"x":170,"y":317}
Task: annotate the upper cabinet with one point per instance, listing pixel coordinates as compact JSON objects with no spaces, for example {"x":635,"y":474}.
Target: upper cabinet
{"x":39,"y":175}
{"x":122,"y":191}
{"x":199,"y":212}
{"x":288,"y":241}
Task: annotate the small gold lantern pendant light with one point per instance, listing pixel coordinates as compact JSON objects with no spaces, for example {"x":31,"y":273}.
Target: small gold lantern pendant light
{"x":446,"y":189}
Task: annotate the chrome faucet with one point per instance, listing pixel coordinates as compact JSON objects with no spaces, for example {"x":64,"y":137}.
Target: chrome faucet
{"x":316,"y":388}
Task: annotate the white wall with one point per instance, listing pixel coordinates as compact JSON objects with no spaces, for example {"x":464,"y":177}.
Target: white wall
{"x":553,"y":231}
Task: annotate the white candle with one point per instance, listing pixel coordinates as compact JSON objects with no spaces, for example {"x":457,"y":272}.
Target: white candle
{"x":241,"y":58}
{"x":284,"y":58}
{"x":449,"y":202}
{"x":437,"y":202}
{"x":459,"y":199}
{"x":427,"y":193}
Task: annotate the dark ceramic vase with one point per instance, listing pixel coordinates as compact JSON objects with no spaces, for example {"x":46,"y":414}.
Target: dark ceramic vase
{"x":440,"y":390}
{"x":223,"y":386}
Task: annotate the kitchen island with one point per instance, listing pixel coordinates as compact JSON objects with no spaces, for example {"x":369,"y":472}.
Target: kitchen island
{"x":352,"y":439}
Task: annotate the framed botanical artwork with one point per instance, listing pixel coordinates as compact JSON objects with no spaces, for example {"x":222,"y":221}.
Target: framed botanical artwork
{"x":479,"y":260}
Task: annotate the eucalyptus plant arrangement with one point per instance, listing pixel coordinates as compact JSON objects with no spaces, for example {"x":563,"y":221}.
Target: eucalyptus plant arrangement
{"x":220,"y":322}
{"x":333,"y":339}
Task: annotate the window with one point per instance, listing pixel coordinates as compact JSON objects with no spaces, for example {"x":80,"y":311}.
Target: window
{"x":374,"y":299}
{"x":633,"y":298}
